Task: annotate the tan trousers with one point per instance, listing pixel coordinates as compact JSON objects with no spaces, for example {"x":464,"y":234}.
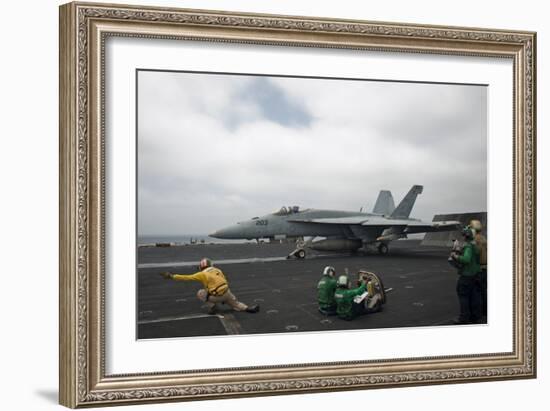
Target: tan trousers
{"x":227,"y":298}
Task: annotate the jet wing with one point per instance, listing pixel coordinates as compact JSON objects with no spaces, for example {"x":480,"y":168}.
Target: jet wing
{"x":403,"y":225}
{"x":365,"y":221}
{"x":358,"y":220}
{"x":434,"y":226}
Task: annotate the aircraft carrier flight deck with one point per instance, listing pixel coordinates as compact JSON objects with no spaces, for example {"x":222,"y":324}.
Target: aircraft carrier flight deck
{"x":422,"y":283}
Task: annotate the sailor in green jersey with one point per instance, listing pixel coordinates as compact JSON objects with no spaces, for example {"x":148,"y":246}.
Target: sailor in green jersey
{"x":325,"y":291}
{"x":467,"y":287}
{"x":346,"y":308}
{"x":481,"y":243}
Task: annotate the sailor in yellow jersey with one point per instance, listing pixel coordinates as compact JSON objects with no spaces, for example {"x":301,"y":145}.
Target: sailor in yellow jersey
{"x":216,"y":288}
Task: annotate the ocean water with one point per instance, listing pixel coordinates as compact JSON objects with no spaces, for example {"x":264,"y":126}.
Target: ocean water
{"x":185,"y":239}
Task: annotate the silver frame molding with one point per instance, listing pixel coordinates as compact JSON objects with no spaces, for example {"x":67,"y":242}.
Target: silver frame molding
{"x":83,"y":30}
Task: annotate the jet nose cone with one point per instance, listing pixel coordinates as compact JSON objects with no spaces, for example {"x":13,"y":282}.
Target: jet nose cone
{"x":228,"y":233}
{"x":223,"y":233}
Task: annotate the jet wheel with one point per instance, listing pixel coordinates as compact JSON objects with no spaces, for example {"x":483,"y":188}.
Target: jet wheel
{"x":383,"y":249}
{"x":301,"y":254}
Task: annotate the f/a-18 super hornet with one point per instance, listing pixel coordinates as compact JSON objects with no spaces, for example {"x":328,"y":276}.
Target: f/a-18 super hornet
{"x":340,"y":230}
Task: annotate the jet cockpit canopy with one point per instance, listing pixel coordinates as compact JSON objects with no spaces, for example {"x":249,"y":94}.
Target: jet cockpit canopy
{"x":287,"y":210}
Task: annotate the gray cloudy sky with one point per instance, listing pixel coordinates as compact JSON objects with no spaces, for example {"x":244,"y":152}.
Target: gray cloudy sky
{"x":216,"y":149}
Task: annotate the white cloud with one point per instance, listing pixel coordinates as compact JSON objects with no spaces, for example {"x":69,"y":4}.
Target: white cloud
{"x":211,"y":154}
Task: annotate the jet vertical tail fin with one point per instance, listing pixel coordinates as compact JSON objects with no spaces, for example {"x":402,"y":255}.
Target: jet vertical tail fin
{"x":384,"y":203}
{"x":404,"y":208}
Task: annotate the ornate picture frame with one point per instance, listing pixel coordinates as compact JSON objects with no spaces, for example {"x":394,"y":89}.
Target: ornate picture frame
{"x":84,"y":29}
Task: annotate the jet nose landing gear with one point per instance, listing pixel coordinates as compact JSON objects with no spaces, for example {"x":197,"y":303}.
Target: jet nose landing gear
{"x":299,"y":253}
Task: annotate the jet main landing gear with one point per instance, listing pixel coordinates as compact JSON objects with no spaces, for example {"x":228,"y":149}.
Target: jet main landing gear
{"x":383,"y":249}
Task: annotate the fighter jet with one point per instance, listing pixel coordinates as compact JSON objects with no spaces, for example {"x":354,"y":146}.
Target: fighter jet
{"x":340,"y":230}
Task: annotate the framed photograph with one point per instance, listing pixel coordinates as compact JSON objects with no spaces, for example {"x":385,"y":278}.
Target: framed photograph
{"x":260,"y":204}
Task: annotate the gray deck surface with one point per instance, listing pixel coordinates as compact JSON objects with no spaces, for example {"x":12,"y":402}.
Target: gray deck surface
{"x":423,"y":289}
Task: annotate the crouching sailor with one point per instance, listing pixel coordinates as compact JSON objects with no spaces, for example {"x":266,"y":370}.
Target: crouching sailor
{"x":346,"y":308}
{"x":367,"y":298}
{"x":325,"y":291}
{"x":216,"y":289}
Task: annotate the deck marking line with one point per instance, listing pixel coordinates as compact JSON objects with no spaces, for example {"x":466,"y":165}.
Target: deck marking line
{"x":178,"y":318}
{"x":231,"y":325}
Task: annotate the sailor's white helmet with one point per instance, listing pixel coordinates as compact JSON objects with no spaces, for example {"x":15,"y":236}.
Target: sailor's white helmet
{"x":343,"y":281}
